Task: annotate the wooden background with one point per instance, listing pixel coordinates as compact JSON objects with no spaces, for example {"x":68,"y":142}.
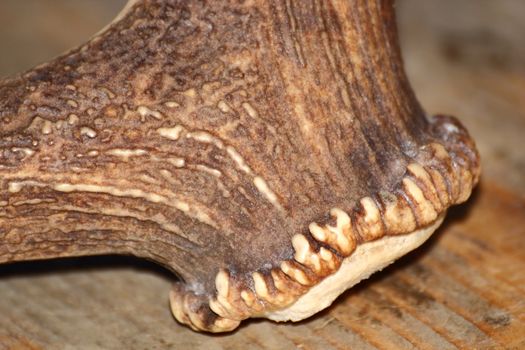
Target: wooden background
{"x":465,"y":288}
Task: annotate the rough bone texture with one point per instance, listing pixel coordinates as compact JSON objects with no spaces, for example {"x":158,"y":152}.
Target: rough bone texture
{"x":210,"y":136}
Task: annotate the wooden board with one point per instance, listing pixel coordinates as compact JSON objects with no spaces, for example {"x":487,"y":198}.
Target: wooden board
{"x":465,"y":288}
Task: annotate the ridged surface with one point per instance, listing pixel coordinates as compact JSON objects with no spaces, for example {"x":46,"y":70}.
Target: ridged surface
{"x":462,"y":290}
{"x":208,"y":137}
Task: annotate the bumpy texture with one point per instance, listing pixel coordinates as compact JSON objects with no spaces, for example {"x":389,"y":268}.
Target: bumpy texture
{"x":248,"y":146}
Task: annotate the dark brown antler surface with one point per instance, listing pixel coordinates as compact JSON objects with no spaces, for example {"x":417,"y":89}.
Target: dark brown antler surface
{"x":257,"y":149}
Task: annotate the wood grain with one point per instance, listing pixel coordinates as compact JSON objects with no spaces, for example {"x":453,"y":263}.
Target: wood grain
{"x":465,"y":288}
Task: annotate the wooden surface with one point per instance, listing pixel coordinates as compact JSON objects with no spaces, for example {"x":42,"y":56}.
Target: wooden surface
{"x":465,"y":288}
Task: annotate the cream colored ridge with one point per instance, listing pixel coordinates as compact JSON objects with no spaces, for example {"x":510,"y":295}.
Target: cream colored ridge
{"x":364,"y":261}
